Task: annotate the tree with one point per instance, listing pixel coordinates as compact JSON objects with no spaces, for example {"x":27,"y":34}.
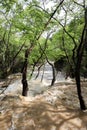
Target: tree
{"x":36,"y":38}
{"x":77,"y":48}
{"x":10,"y":48}
{"x":80,"y":51}
{"x":23,"y":26}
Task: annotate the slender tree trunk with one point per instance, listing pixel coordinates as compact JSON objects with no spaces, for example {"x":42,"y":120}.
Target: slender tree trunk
{"x":78,"y":84}
{"x":80,"y":52}
{"x":43,"y":73}
{"x":24,"y":75}
{"x":24,"y":72}
{"x":54,"y":75}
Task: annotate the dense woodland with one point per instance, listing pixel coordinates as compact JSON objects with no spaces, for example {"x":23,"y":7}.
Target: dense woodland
{"x":33,"y":32}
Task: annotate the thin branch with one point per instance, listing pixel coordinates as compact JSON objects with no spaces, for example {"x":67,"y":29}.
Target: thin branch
{"x":4,"y":14}
{"x":78,"y":4}
{"x":12,"y":63}
{"x":63,"y":40}
{"x":43,"y":73}
{"x":38,"y":71}
{"x":9,"y":34}
{"x":42,"y":52}
{"x":80,"y":48}
{"x":51,"y":16}
{"x":53,"y":80}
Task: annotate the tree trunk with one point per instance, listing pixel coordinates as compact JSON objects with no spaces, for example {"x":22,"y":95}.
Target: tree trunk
{"x":78,"y":84}
{"x":54,"y":76}
{"x":25,"y":84}
{"x":80,"y":52}
{"x":24,"y":74}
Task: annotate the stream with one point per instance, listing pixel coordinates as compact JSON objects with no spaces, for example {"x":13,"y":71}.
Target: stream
{"x":45,"y":108}
{"x":36,"y":86}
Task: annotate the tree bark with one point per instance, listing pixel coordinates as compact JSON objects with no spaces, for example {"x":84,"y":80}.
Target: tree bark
{"x":53,"y":71}
{"x":54,"y":75}
{"x":78,"y":84}
{"x":24,"y":75}
{"x":24,"y":72}
{"x":80,"y":51}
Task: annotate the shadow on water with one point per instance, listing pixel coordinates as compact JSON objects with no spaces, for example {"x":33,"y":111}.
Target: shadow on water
{"x":23,"y":113}
{"x":40,"y":115}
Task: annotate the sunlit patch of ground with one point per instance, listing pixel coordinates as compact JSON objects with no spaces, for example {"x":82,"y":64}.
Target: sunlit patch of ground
{"x":56,"y":109}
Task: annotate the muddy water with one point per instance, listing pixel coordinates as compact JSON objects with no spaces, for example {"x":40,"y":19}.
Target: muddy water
{"x":36,"y":86}
{"x":47,"y":111}
{"x":53,"y":110}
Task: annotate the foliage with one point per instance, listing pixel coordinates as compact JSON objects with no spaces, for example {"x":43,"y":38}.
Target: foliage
{"x":23,"y":22}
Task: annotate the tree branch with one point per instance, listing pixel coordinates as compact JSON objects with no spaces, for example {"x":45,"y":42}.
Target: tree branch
{"x":51,"y":16}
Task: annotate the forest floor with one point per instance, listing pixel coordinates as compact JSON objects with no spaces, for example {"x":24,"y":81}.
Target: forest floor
{"x":57,"y":108}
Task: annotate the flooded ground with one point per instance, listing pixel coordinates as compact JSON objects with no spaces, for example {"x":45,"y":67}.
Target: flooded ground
{"x":35,"y":85}
{"x":57,"y":108}
{"x":45,"y":108}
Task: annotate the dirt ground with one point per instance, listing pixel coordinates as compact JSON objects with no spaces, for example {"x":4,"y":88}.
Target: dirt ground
{"x":56,"y":109}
